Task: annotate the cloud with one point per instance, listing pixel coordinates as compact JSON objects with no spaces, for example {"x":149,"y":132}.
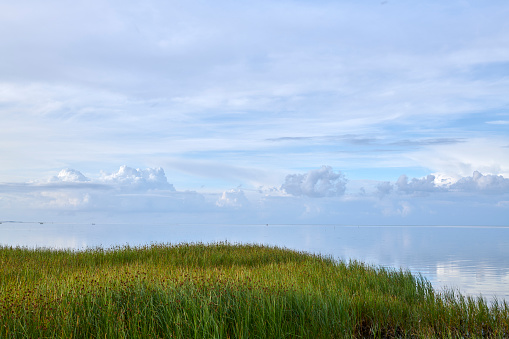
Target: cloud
{"x":126,"y":178}
{"x":127,"y":190}
{"x":130,"y":191}
{"x":427,"y":142}
{"x":384,"y":188}
{"x":482,"y":183}
{"x":69,"y":175}
{"x":347,"y":138}
{"x":498,"y":122}
{"x":64,"y":200}
{"x":323,"y":182}
{"x":426,"y":184}
{"x":477,"y":183}
{"x":443,"y":180}
{"x":294,"y":202}
{"x":484,"y":154}
{"x":51,"y":185}
{"x":232,"y":198}
{"x":361,"y":140}
{"x":230,"y":80}
{"x":138,"y":179}
{"x":127,"y":78}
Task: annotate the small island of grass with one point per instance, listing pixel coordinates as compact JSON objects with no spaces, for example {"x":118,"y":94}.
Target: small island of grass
{"x":225,"y":291}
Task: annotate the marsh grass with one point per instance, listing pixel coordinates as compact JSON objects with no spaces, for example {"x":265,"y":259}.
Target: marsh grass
{"x":225,"y":290}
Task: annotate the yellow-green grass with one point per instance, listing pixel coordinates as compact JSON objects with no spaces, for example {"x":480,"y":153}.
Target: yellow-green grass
{"x":225,"y":291}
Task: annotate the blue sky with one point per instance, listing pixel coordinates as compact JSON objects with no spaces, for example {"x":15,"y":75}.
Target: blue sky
{"x":233,"y":100}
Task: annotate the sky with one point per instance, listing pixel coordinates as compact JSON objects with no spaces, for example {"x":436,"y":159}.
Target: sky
{"x":335,"y":112}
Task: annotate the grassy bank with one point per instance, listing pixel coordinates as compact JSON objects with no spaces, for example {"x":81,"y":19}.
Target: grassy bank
{"x":225,"y":291}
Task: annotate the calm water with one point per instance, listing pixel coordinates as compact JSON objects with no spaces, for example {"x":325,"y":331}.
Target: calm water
{"x":473,"y":259}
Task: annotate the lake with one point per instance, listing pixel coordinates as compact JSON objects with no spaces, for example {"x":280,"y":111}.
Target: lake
{"x":474,"y":260}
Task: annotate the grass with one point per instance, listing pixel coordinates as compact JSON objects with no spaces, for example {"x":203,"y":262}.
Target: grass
{"x":225,"y":291}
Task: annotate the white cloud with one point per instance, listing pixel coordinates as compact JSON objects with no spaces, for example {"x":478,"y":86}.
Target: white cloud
{"x":442,"y":180}
{"x":323,"y":182}
{"x":70,"y":175}
{"x":232,"y":198}
{"x":130,"y":178}
{"x":389,"y":203}
{"x":498,"y":122}
{"x":484,"y":154}
{"x":477,"y":183}
{"x":482,"y":183}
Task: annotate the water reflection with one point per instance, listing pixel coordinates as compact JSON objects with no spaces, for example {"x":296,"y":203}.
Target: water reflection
{"x":472,"y":259}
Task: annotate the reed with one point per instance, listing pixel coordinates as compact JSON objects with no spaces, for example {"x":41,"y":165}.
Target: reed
{"x":225,"y":290}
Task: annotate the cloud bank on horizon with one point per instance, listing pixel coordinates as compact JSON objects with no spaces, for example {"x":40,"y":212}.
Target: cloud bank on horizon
{"x":274,"y":111}
{"x":317,"y":196}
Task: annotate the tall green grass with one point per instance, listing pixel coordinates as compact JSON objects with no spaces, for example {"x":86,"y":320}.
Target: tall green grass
{"x":225,"y":291}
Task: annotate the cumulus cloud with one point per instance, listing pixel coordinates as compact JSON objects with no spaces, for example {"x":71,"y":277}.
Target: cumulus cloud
{"x":150,"y":178}
{"x":69,"y":175}
{"x":384,"y":188}
{"x":323,"y":182}
{"x":134,"y":194}
{"x":443,"y":180}
{"x":232,"y":198}
{"x":477,"y":183}
{"x":482,"y":183}
{"x":426,"y":184}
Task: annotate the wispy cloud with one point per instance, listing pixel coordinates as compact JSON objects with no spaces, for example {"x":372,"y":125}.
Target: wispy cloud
{"x":39,"y":187}
{"x":224,"y":94}
{"x":367,"y":141}
{"x":352,"y":139}
{"x":428,"y":141}
{"x":498,"y":122}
